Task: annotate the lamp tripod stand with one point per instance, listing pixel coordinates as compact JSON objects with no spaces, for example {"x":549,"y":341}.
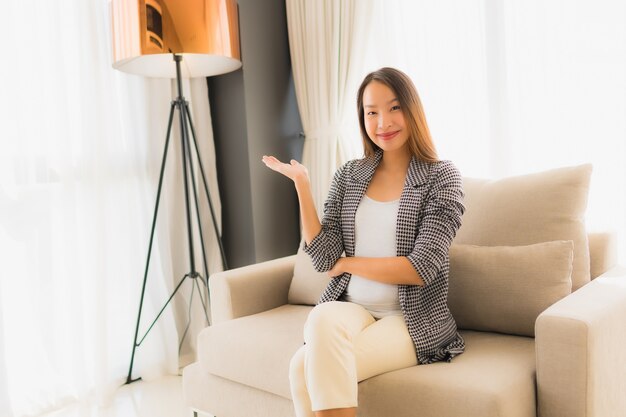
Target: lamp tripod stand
{"x":188,"y":174}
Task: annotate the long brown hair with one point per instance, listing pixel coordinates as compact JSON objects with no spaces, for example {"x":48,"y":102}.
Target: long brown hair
{"x":420,"y":142}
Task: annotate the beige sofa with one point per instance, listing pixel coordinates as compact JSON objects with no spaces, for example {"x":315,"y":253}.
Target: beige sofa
{"x":542,"y":340}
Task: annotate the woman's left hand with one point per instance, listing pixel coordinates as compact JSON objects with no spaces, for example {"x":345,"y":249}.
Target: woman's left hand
{"x":337,"y":269}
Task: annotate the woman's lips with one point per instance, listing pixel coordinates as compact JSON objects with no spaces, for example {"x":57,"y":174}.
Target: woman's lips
{"x":387,"y":135}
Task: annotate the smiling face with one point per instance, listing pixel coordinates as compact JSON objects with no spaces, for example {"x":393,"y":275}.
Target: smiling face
{"x":383,"y":118}
{"x":385,"y":126}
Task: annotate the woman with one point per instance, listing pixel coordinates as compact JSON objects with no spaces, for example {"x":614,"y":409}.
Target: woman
{"x":394,"y":213}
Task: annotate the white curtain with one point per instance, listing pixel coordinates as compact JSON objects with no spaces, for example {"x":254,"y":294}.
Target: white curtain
{"x":326,"y":54}
{"x":80,"y":154}
{"x":509,"y":87}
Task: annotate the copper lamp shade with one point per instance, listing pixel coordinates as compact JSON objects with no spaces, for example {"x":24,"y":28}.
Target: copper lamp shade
{"x":147,"y":32}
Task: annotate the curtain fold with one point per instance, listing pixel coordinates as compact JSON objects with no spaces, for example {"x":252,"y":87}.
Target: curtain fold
{"x":326,"y":55}
{"x":510,"y":89}
{"x":507,"y":89}
{"x":80,"y":156}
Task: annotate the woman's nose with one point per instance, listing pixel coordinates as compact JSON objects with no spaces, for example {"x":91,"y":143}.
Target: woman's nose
{"x":382,"y":121}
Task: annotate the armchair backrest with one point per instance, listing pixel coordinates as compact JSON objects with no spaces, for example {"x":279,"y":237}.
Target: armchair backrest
{"x":602,"y":252}
{"x":530,"y":209}
{"x":534,"y":225}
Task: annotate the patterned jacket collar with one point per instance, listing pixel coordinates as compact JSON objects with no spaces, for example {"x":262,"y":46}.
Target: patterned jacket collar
{"x":417,"y":174}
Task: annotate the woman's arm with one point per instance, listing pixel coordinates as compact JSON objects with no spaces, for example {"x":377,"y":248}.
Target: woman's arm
{"x":298,"y":173}
{"x":441,"y":220}
{"x":323,"y":241}
{"x":439,"y":224}
{"x":311,"y":226}
{"x":392,"y":270}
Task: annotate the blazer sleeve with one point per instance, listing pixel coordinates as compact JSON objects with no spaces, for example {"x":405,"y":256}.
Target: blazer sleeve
{"x":440,"y":221}
{"x":326,"y":248}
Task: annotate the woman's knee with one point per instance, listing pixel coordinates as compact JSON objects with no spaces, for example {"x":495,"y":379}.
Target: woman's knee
{"x":325,"y":311}
{"x":321,"y":318}
{"x":336,"y":318}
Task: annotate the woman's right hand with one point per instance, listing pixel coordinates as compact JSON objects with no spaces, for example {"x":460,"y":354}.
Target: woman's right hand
{"x":295,"y":171}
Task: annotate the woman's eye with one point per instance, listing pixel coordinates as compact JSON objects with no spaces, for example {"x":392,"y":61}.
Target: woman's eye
{"x":371,"y":113}
{"x":395,"y":108}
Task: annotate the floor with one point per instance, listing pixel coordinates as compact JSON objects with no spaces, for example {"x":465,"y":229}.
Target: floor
{"x":158,"y":398}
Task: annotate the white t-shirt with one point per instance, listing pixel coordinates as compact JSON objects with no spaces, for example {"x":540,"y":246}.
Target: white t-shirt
{"x":375,"y":237}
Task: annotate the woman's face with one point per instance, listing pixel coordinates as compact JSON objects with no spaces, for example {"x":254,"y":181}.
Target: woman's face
{"x":384,"y":119}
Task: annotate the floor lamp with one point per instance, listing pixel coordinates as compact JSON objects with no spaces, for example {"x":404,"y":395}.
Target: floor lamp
{"x":176,"y":39}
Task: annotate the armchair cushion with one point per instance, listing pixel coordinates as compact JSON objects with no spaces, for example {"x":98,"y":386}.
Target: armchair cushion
{"x":528,"y":209}
{"x":255,"y":350}
{"x":307,"y":284}
{"x":495,"y":377}
{"x":505,"y":288}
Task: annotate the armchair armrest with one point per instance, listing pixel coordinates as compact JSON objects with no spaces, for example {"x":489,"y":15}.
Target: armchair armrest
{"x":250,"y":289}
{"x":581,"y":360}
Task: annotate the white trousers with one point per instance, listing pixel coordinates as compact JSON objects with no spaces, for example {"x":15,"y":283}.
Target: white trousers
{"x":345,"y":345}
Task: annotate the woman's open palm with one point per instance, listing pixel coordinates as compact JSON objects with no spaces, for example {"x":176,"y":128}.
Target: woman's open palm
{"x":294,"y":170}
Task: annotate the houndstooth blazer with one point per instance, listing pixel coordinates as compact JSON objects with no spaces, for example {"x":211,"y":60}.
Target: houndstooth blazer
{"x":431,"y":206}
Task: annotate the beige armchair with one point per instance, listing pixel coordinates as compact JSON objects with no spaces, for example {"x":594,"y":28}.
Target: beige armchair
{"x":542,"y":338}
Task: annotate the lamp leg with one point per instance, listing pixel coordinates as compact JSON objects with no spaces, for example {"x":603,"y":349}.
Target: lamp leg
{"x":193,"y":289}
{"x":183,"y":109}
{"x":180,"y":283}
{"x":184,"y":143}
{"x":154,"y":217}
{"x":208,"y":195}
{"x":204,"y":304}
{"x":206,"y":190}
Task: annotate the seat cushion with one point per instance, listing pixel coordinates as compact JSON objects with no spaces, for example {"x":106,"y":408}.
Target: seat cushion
{"x":255,"y":350}
{"x":528,"y":209}
{"x":221,"y":397}
{"x":495,"y":377}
